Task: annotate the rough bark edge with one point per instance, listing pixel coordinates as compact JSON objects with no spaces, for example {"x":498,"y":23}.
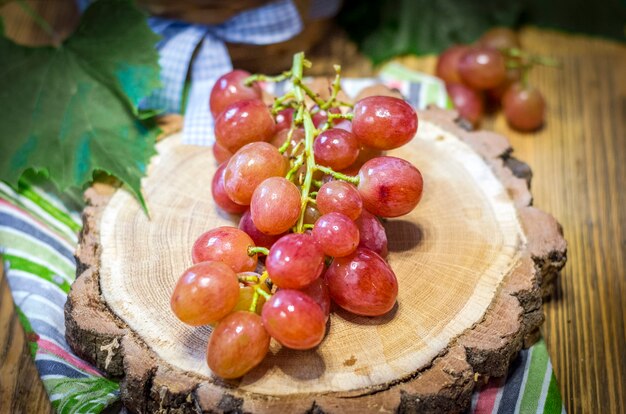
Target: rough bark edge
{"x":151,"y":385}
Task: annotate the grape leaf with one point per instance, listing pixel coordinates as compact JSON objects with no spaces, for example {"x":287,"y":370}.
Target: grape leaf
{"x":72,"y":110}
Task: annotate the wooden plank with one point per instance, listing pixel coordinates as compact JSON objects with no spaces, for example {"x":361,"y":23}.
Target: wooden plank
{"x":21,"y":390}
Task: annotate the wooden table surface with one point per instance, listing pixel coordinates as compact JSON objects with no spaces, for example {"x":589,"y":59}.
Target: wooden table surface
{"x":579,"y":166}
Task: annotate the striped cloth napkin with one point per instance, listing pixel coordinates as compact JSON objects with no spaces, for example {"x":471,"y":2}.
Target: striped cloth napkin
{"x":38,"y":234}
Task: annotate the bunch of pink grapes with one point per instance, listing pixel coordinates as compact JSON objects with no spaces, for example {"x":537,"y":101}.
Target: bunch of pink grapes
{"x":311,"y":180}
{"x":493,"y":73}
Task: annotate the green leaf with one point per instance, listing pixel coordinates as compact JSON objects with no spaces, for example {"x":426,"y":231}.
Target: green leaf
{"x":72,"y":111}
{"x":81,"y":395}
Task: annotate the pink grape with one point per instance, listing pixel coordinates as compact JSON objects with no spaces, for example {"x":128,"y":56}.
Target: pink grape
{"x":366,"y":154}
{"x":448,"y":63}
{"x":230,"y":88}
{"x":482,"y":68}
{"x":320,"y":117}
{"x":362,"y":283}
{"x":384,"y":122}
{"x":225,"y":244}
{"x":249,"y":167}
{"x":284,"y":119}
{"x":258,"y":237}
{"x":220,"y":153}
{"x":499,"y":38}
{"x":238,"y":344}
{"x":246,"y":295}
{"x":318,"y":291}
{"x":275,"y":205}
{"x":294,"y":319}
{"x":496,"y":94}
{"x":205,"y":293}
{"x":244,"y":122}
{"x":335,"y":148}
{"x":311,"y":214}
{"x":344,"y":124}
{"x":336,"y":234}
{"x":341,"y":197}
{"x":219,"y":193}
{"x":467,"y":101}
{"x":294,"y":261}
{"x":372,"y":233}
{"x":390,"y":186}
{"x":281,"y":136}
{"x":524,"y":107}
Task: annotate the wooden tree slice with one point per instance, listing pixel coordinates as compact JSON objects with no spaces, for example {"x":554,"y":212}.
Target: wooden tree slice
{"x":471,"y":261}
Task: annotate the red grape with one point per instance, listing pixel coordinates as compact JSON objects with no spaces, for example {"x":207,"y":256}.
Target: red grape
{"x":205,"y":293}
{"x":467,"y":101}
{"x":275,"y":205}
{"x":250,"y":166}
{"x":244,"y":122}
{"x":524,"y":107}
{"x":311,"y":214}
{"x":336,"y":234}
{"x":366,"y":154}
{"x":482,"y":68}
{"x":344,"y":124}
{"x":294,"y":261}
{"x":225,"y":244}
{"x":384,"y":122}
{"x":390,"y":186}
{"x":260,"y":239}
{"x":448,"y":63}
{"x":294,"y":319}
{"x":496,"y":94}
{"x":320,"y":117}
{"x":335,"y":148}
{"x":220,"y":153}
{"x":238,"y":344}
{"x":230,"y":88}
{"x":318,"y":291}
{"x":284,"y":119}
{"x":246,"y":295}
{"x":219,"y":193}
{"x":499,"y":38}
{"x":340,"y":197}
{"x":281,"y":136}
{"x":372,"y":233}
{"x":362,"y":283}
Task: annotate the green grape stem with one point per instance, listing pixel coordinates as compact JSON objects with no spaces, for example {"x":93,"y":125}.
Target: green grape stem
{"x":339,"y":176}
{"x":255,"y":301}
{"x":299,"y":157}
{"x":264,"y":78}
{"x":247,"y":279}
{"x":252,"y":250}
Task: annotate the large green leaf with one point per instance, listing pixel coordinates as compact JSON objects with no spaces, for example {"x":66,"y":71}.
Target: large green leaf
{"x":72,"y":110}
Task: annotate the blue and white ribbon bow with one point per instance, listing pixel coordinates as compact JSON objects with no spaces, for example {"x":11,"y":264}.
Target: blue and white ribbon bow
{"x":271,"y":23}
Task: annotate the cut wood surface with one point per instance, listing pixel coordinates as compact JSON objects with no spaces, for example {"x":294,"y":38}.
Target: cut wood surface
{"x":470,"y":260}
